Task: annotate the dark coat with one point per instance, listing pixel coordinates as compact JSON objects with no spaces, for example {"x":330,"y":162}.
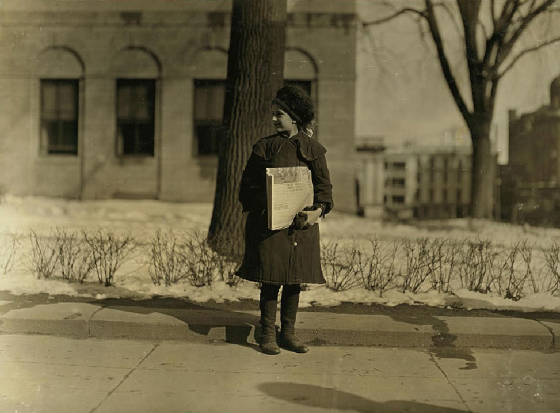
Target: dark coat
{"x":286,"y":256}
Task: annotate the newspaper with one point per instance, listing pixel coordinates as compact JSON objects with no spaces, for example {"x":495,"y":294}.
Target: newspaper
{"x":288,"y":191}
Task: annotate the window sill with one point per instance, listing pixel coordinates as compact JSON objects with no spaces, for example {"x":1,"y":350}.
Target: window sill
{"x":58,"y":158}
{"x":136,"y":159}
{"x":134,"y":156}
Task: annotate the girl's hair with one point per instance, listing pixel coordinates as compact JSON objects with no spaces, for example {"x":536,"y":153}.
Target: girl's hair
{"x":296,"y":103}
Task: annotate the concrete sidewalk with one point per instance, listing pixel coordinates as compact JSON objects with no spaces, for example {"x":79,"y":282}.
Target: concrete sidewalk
{"x":81,"y":320}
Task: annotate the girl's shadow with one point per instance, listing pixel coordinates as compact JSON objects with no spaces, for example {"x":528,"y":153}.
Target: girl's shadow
{"x":328,"y":398}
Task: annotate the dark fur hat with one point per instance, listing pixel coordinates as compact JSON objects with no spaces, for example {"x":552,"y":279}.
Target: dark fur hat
{"x":296,"y":103}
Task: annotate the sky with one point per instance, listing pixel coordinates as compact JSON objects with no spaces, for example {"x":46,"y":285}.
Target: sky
{"x":401,"y":93}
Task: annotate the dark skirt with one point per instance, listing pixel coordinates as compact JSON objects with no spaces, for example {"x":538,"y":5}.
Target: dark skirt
{"x":287,"y":256}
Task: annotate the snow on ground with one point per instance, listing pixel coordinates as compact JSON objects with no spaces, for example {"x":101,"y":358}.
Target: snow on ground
{"x":141,"y":219}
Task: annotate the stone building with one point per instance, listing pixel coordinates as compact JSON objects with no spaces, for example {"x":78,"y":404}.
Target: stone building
{"x":531,"y":181}
{"x":443,"y":183}
{"x":105,"y":98}
{"x":416,"y":182}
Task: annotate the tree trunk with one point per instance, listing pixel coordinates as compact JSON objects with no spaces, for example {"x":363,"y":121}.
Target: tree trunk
{"x":255,"y":72}
{"x":483,"y":169}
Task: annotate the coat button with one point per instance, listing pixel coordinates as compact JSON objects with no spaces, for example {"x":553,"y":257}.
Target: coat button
{"x":295,"y":244}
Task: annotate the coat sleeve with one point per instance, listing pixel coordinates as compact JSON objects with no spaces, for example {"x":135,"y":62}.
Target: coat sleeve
{"x":252,"y":191}
{"x":321,"y":183}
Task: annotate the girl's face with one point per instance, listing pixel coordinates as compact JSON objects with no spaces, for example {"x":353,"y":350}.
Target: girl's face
{"x":283,"y":122}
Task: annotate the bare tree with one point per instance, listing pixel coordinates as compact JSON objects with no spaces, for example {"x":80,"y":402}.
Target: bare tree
{"x":255,"y":72}
{"x":491,"y":31}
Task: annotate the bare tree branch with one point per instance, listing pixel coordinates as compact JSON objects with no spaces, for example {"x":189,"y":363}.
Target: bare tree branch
{"x":417,"y":15}
{"x":444,"y":62}
{"x":504,"y":52}
{"x":451,"y":15}
{"x":379,"y":54}
{"x":424,"y":33}
{"x":524,"y":52}
{"x":496,"y":40}
{"x":484,"y":29}
{"x":400,"y":12}
{"x":518,"y":21}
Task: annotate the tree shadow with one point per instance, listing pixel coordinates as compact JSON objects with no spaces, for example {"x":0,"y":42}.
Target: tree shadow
{"x":329,"y":398}
{"x":199,"y":319}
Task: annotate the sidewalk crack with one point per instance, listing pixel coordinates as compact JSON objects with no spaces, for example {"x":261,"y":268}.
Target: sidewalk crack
{"x":450,"y":383}
{"x":91,"y":318}
{"x":553,"y":344}
{"x":126,"y":376}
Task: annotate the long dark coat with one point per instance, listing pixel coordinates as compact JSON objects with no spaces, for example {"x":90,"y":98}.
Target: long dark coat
{"x":286,"y":256}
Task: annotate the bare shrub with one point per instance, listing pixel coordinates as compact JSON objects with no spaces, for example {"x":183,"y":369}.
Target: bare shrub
{"x":517,"y":285}
{"x":8,"y":252}
{"x":227,"y":270}
{"x":340,"y":266}
{"x":552,"y":261}
{"x":166,"y":259}
{"x":476,"y":264}
{"x":200,"y":260}
{"x":109,"y":252}
{"x":377,"y":266}
{"x":447,"y":256}
{"x":44,"y":255}
{"x":189,"y":257}
{"x":74,"y":257}
{"x":421,"y":262}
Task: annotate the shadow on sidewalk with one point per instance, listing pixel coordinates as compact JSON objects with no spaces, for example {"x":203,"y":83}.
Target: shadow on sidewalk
{"x":200,"y":319}
{"x":443,"y":346}
{"x":329,"y":398}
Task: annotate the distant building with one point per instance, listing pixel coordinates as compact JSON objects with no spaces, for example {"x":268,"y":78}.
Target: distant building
{"x":416,"y":182}
{"x":443,"y":183}
{"x":106,"y":98}
{"x":531,"y":181}
{"x":369,"y":182}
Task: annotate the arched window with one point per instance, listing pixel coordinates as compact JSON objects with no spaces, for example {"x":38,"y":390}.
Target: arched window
{"x":59,"y":70}
{"x":137,"y":71}
{"x":209,"y":70}
{"x":300,"y":70}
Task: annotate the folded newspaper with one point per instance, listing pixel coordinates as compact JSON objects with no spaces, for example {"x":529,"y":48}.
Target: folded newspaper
{"x":288,"y":191}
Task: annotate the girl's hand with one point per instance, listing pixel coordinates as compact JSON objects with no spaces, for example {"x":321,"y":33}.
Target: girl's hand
{"x":312,"y":216}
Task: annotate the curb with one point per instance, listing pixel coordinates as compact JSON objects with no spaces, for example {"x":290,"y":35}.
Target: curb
{"x":83,"y":320}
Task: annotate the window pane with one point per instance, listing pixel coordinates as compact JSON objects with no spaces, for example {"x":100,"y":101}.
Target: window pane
{"x":126,"y":132}
{"x":209,"y":97}
{"x":135,"y":115}
{"x":59,"y":116}
{"x":67,"y":138}
{"x":145,"y":139}
{"x":216,"y":102}
{"x":200,"y":103}
{"x":48,"y":100}
{"x":142,"y":102}
{"x":123,"y":101}
{"x":67,"y":101}
{"x":208,"y":137}
{"x":49,"y":131}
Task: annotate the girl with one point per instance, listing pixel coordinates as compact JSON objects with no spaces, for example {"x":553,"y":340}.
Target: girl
{"x":291,"y":256}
